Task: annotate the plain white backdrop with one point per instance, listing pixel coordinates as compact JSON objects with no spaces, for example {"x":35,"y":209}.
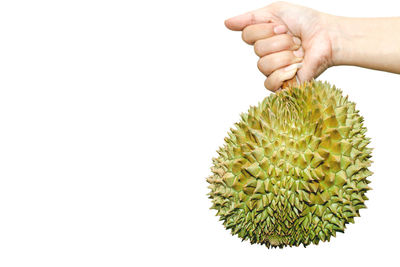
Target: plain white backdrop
{"x":110,"y":114}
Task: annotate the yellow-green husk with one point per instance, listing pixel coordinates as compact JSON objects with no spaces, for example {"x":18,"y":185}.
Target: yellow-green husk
{"x":294,"y":170}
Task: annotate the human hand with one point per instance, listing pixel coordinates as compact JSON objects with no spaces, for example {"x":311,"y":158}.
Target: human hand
{"x":287,"y":38}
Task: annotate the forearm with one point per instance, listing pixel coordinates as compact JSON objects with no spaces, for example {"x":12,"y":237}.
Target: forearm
{"x":366,"y":42}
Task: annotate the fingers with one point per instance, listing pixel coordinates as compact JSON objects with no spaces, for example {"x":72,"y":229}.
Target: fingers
{"x":275,"y":44}
{"x":238,"y":23}
{"x":255,"y":32}
{"x":276,"y":79}
{"x":272,"y":62}
{"x":280,"y":53}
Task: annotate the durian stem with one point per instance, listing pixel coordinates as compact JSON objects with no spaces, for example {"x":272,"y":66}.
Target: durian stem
{"x":290,"y":82}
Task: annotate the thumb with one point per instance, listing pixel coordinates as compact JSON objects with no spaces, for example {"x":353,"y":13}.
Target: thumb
{"x":238,"y":23}
{"x":305,"y":73}
{"x":309,"y":71}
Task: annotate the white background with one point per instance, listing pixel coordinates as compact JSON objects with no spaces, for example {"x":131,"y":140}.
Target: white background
{"x":110,"y":113}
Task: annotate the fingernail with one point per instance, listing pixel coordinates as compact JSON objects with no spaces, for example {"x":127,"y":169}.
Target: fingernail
{"x":299,"y":52}
{"x":280,"y":29}
{"x":294,"y":66}
{"x":296,"y":40}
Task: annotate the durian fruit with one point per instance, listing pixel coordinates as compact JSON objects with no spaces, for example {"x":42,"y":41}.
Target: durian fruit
{"x":294,"y":170}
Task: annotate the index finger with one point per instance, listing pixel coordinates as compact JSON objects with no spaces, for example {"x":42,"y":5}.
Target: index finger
{"x":238,"y":23}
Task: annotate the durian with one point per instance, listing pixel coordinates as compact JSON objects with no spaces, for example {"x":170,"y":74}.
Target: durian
{"x":294,"y":169}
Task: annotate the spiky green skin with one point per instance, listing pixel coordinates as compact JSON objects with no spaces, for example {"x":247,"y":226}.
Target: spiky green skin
{"x":294,"y":171}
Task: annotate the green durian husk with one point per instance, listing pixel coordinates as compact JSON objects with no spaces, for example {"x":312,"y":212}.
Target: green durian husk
{"x":294,"y":169}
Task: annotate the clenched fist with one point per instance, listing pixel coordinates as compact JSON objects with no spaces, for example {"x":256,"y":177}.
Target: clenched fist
{"x":288,"y":39}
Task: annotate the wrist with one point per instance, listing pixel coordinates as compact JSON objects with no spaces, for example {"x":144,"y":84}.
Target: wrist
{"x":339,"y":38}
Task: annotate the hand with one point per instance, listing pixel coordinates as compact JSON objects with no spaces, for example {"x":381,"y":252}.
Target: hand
{"x":287,"y":37}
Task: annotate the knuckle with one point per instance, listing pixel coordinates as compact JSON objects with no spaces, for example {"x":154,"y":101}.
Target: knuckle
{"x":253,"y":18}
{"x":260,"y":64}
{"x":258,"y":48}
{"x":269,"y":84}
{"x":245,"y":35}
{"x":263,"y":65}
{"x":266,"y":84}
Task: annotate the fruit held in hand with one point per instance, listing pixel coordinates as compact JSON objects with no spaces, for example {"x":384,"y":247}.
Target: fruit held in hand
{"x":294,"y":170}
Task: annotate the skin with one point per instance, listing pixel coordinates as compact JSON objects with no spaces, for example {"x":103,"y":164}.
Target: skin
{"x":292,"y":39}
